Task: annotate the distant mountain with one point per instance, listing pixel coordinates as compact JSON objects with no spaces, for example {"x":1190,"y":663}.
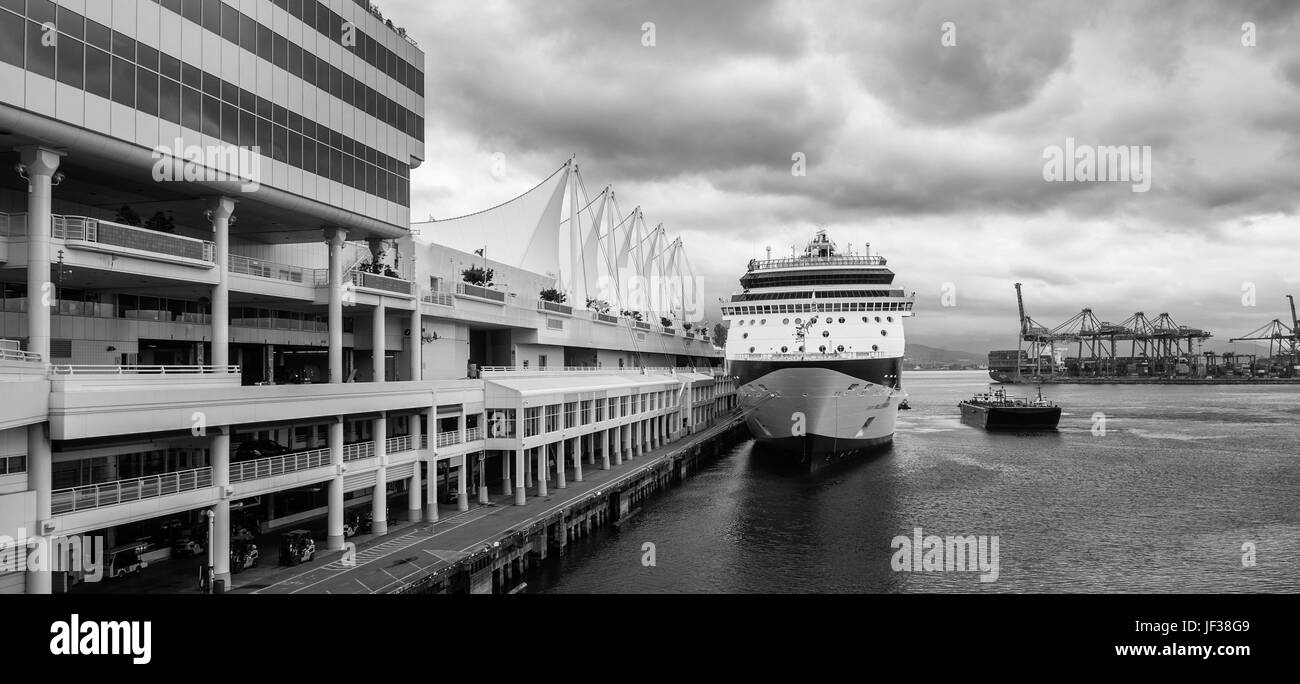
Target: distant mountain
{"x":919,"y":353}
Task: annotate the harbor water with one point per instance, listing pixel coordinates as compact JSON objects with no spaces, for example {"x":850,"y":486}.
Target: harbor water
{"x":1142,"y":489}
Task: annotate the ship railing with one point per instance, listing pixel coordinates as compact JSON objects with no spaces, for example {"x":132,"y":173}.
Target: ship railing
{"x":809,"y":356}
{"x":794,"y":262}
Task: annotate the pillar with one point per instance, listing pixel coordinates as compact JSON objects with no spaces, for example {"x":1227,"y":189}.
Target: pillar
{"x":618,"y":444}
{"x":417,"y":344}
{"x":377,"y":341}
{"x":219,"y":444}
{"x":577,"y":459}
{"x":505,"y":473}
{"x":541,"y":470}
{"x":379,"y":502}
{"x":462,"y":495}
{"x":591,"y":453}
{"x":561,"y":447}
{"x":220,"y":210}
{"x":41,"y":163}
{"x":482,"y":479}
{"x":334,"y":521}
{"x":414,"y":507}
{"x":431,"y":507}
{"x":606,"y":439}
{"x":519,"y":477}
{"x":40,"y":480}
{"x":334,"y":238}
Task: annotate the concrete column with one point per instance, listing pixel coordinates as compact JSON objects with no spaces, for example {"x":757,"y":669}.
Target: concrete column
{"x":560,"y":448}
{"x":519,"y":477}
{"x":606,"y":441}
{"x":377,"y":341}
{"x":39,"y":479}
{"x":577,"y":459}
{"x":335,"y":237}
{"x":462,"y":494}
{"x":379,"y":502}
{"x":41,"y":163}
{"x":220,"y":210}
{"x":219,"y":445}
{"x":414,"y":507}
{"x":482,"y":479}
{"x":541,"y":470}
{"x":431,"y":507}
{"x":638,"y":439}
{"x":417,"y":344}
{"x":591,"y":453}
{"x":505,"y":474}
{"x":334,"y":522}
{"x":618,"y":444}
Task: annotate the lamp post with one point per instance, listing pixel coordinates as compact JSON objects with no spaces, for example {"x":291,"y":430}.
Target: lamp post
{"x":207,"y":572}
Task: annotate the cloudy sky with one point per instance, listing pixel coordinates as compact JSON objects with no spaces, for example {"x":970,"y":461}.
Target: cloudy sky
{"x":933,"y":153}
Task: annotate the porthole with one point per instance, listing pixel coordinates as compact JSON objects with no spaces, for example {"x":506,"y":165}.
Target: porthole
{"x":784,"y":349}
{"x":877,"y":319}
{"x":798,"y":321}
{"x":751,"y":321}
{"x":801,"y":347}
{"x":826,"y":333}
{"x":866,"y":320}
{"x":841,"y":319}
{"x":764,"y":321}
{"x":839,"y":348}
{"x":884,"y":332}
{"x":889,"y":318}
{"x":785,"y":321}
{"x":822,"y":349}
{"x":751,"y":350}
{"x":740,"y":322}
{"x":744,"y":336}
{"x":873,"y":348}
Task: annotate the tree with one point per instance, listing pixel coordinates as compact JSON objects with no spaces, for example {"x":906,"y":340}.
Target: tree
{"x":475,"y":275}
{"x":126,"y":215}
{"x":163,"y":223}
{"x":551,"y":294}
{"x":720,"y":334}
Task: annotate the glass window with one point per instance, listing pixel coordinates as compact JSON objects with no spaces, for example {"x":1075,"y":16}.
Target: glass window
{"x":211,"y":116}
{"x":40,"y":57}
{"x":279,"y":144}
{"x":264,"y":42}
{"x":70,"y":57}
{"x":212,"y":16}
{"x":192,"y":10}
{"x":247,"y":129}
{"x":294,"y":146}
{"x":191,"y":109}
{"x":191,"y":76}
{"x":169,"y":100}
{"x":123,"y":86}
{"x":71,"y":24}
{"x":229,"y":23}
{"x":97,"y":71}
{"x":280,"y":47}
{"x":123,"y":46}
{"x":146,"y":91}
{"x":12,"y":31}
{"x":247,"y":33}
{"x":230,"y":123}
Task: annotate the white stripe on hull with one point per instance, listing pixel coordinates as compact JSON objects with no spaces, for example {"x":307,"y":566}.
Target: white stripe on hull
{"x":850,"y":419}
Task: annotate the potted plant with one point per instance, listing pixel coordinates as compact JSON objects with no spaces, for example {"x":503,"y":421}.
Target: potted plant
{"x":634,"y":315}
{"x":475,"y":275}
{"x":686,"y":327}
{"x":551,"y":294}
{"x":665,"y":321}
{"x":598,"y":305}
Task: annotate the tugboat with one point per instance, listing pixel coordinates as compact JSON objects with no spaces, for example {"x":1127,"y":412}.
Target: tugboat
{"x":994,"y":410}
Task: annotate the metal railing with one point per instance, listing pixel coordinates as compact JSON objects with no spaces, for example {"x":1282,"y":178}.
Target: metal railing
{"x":468,"y":290}
{"x":554,"y":307}
{"x":279,"y":465}
{"x":789,"y":262}
{"x":641,"y":325}
{"x":374,"y":281}
{"x":446,"y":438}
{"x":18,"y":355}
{"x":73,"y":369}
{"x":358,"y":451}
{"x":86,"y":229}
{"x":473,"y":433}
{"x":440,"y":298}
{"x":604,"y":318}
{"x":122,"y":491}
{"x":810,"y":356}
{"x":396,"y":444}
{"x":275,"y":271}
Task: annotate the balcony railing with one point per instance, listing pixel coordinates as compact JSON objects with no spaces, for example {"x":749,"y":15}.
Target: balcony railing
{"x":554,"y":307}
{"x":440,"y":298}
{"x":122,"y":491}
{"x":396,"y":444}
{"x":275,"y":271}
{"x":279,"y":465}
{"x":358,"y":451}
{"x":119,"y":235}
{"x":473,"y":433}
{"x":467,"y":290}
{"x":795,"y":262}
{"x":374,"y":281}
{"x":446,"y":438}
{"x":14,"y":354}
{"x":141,"y":370}
{"x":640,"y":325}
{"x":604,"y":318}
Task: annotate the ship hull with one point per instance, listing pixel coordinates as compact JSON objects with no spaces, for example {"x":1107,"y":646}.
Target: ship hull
{"x":1010,"y":418}
{"x":813,"y":409}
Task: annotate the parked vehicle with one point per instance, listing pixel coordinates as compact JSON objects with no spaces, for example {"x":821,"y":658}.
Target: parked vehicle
{"x":243,"y":555}
{"x":296,"y":547}
{"x":349,"y":529}
{"x":123,"y":560}
{"x":184,"y":547}
{"x":259,"y":448}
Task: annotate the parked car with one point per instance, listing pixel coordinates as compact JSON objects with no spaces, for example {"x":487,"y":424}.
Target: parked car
{"x":296,"y":547}
{"x":184,"y":547}
{"x":243,"y":555}
{"x":259,"y":448}
{"x":122,"y":561}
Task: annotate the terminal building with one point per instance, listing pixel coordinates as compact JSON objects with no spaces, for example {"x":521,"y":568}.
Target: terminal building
{"x":215,"y":312}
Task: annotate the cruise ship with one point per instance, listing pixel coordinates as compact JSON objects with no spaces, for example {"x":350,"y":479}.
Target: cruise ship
{"x":816,"y":344}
